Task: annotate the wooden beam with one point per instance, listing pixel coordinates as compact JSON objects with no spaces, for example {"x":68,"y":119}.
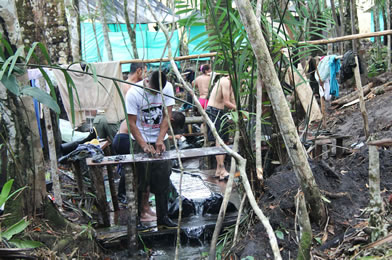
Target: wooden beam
{"x":348,"y":37}
{"x":194,"y":119}
{"x":382,"y":142}
{"x":168,"y":155}
{"x":188,"y":57}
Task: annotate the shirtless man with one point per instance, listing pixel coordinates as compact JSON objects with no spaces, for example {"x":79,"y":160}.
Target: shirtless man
{"x":202,"y":82}
{"x":221,"y":97}
{"x":138,"y":72}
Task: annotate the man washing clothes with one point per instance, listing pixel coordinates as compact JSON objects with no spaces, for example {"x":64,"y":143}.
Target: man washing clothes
{"x":148,"y":124}
{"x":221,"y":97}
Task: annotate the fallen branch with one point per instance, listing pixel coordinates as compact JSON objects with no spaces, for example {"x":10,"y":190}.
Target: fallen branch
{"x":352,"y":96}
{"x":335,"y":195}
{"x":305,"y":236}
{"x":226,"y":197}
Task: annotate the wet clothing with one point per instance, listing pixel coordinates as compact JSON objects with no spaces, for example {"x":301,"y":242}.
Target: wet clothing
{"x":222,"y":126}
{"x":203,"y":102}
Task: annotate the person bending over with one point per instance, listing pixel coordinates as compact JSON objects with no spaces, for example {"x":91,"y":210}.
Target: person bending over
{"x":148,"y":124}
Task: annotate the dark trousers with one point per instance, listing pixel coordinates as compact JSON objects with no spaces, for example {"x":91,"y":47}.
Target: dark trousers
{"x":156,"y":175}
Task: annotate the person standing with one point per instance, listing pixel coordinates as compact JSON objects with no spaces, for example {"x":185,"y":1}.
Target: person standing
{"x":149,"y":125}
{"x":222,"y":97}
{"x":203,"y":82}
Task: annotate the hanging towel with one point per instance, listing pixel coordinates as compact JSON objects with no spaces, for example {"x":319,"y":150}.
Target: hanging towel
{"x":334,"y":67}
{"x":92,"y":95}
{"x":323,"y":69}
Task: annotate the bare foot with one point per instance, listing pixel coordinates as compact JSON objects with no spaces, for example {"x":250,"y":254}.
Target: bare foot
{"x":150,"y":211}
{"x":147,"y":218}
{"x":224,"y":175}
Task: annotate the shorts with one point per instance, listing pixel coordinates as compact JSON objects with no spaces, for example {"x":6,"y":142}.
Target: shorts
{"x":220,"y":122}
{"x":203,"y":102}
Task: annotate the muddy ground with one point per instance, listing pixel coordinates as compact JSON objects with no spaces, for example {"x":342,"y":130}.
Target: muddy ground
{"x":349,"y":180}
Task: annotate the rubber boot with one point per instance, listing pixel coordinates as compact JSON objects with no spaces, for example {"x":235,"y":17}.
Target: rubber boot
{"x":163,"y":220}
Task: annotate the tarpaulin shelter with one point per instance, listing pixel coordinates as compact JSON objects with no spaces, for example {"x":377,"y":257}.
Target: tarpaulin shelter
{"x":150,"y":45}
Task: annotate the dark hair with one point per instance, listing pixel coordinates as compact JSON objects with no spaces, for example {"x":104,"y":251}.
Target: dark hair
{"x":154,"y":79}
{"x":135,"y":66}
{"x":205,"y":68}
{"x":178,"y":122}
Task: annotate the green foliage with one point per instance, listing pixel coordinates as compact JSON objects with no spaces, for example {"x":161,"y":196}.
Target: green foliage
{"x":248,"y":258}
{"x":378,"y":64}
{"x":279,"y":234}
{"x":18,"y":227}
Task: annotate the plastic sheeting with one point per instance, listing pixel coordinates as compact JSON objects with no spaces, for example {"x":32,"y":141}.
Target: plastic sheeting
{"x":150,"y":45}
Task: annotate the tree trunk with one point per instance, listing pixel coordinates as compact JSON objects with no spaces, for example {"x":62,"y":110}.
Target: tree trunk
{"x":388,"y":28}
{"x":131,"y":31}
{"x":376,"y":18}
{"x":290,"y":136}
{"x":91,"y":16}
{"x":42,"y":21}
{"x":337,"y":26}
{"x":105,"y":29}
{"x":72,"y":14}
{"x":46,"y":22}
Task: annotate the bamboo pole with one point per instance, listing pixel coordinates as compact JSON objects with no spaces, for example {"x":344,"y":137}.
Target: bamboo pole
{"x":361,"y":98}
{"x":348,"y":37}
{"x":188,"y":57}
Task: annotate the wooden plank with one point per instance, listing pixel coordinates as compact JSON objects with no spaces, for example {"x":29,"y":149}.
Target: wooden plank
{"x":348,"y":37}
{"x":305,"y":94}
{"x":188,"y":57}
{"x":168,"y":155}
{"x":382,"y":142}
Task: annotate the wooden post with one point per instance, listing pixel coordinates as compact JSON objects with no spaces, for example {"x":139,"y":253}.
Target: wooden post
{"x":53,"y":158}
{"x":99,"y":185}
{"x":361,"y":98}
{"x":112,"y":187}
{"x":132,"y":207}
{"x":78,"y":176}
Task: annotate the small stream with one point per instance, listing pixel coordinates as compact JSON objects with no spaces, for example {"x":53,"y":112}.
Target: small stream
{"x":202,"y":196}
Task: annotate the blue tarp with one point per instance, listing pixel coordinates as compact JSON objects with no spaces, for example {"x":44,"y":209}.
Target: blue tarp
{"x":150,"y":45}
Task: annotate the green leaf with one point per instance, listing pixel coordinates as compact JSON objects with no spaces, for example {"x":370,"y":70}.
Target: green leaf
{"x":11,"y":84}
{"x":5,"y":191}
{"x":42,"y":97}
{"x":248,"y":258}
{"x":279,"y":234}
{"x":14,"y":60}
{"x":15,"y":229}
{"x":25,"y":243}
{"x":318,"y":239}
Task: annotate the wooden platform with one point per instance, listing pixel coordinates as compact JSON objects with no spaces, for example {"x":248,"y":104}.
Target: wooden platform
{"x":168,"y":155}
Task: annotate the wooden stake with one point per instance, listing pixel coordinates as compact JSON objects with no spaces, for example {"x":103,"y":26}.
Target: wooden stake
{"x":361,"y":98}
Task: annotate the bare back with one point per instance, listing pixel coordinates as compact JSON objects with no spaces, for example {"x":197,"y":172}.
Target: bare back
{"x":202,"y":82}
{"x":222,"y":95}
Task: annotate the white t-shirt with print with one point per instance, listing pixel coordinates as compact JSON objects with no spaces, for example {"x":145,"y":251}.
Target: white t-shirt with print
{"x":148,"y":108}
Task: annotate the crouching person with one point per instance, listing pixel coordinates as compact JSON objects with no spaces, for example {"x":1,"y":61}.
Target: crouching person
{"x":148,"y":125}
